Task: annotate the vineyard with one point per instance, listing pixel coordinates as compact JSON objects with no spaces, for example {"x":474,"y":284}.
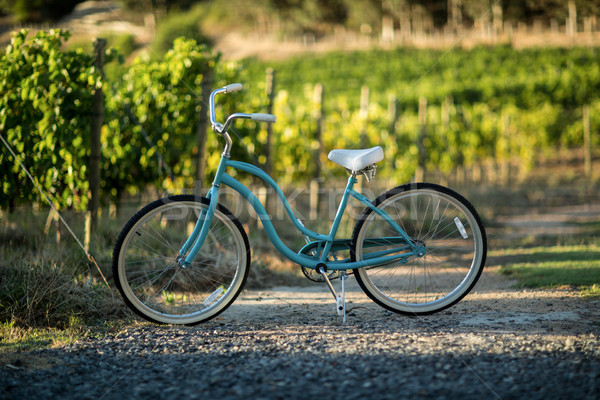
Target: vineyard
{"x":436,"y":113}
{"x":437,"y":110}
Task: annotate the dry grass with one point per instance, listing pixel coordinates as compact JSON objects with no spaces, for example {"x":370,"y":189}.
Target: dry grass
{"x":49,"y":295}
{"x":45,"y":285}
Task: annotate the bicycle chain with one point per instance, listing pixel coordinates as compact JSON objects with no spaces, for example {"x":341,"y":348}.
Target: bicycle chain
{"x":312,"y":275}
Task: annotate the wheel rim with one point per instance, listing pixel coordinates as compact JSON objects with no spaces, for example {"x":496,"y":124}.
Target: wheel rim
{"x":155,"y":283}
{"x":453,"y":242}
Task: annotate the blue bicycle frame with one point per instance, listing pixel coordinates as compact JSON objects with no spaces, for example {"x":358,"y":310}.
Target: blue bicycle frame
{"x":323,"y":244}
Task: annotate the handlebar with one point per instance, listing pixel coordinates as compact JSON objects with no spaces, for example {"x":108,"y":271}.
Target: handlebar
{"x":263,"y":117}
{"x":222,"y":129}
{"x":234,"y":87}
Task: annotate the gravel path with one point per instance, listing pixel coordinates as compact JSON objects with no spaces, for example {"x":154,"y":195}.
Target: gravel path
{"x":287,"y":343}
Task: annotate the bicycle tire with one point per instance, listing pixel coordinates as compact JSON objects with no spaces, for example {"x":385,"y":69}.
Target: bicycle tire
{"x":156,"y":286}
{"x":449,"y":229}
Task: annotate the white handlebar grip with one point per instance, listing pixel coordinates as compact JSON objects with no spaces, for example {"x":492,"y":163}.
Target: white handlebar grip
{"x":234,"y":87}
{"x":263,"y":117}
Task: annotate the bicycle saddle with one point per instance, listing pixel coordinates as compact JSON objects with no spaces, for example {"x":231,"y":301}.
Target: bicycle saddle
{"x":356,"y":160}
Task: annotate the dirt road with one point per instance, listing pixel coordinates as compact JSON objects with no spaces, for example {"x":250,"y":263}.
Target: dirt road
{"x":288,"y":343}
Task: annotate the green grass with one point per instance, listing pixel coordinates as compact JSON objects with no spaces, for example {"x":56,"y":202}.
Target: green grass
{"x":17,"y":338}
{"x":553,"y":266}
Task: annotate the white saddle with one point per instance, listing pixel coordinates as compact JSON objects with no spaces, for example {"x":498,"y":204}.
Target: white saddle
{"x":356,"y":160}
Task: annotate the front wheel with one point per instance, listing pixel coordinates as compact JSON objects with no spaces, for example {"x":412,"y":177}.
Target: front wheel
{"x":437,"y":220}
{"x":158,"y":287}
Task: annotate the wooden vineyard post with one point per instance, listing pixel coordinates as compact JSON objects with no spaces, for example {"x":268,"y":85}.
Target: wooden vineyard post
{"x":268,"y":152}
{"x":95,"y":148}
{"x":202,"y":129}
{"x":505,"y":166}
{"x":317,"y":181}
{"x":53,"y":219}
{"x":587,"y":142}
{"x":571,"y":27}
{"x":270,"y":91}
{"x":393,"y":114}
{"x":364,"y":116}
{"x":445,"y":116}
{"x":420,"y":172}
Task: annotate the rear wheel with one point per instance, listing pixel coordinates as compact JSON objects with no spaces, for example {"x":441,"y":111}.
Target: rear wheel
{"x":438,"y":220}
{"x":152,"y":281}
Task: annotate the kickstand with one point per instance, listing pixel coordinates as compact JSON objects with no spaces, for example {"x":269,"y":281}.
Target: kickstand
{"x":340,"y":299}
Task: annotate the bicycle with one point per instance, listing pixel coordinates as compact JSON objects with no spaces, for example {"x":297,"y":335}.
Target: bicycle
{"x":416,"y":249}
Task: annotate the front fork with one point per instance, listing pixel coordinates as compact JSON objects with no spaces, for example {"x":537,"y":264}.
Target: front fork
{"x":194,"y":243}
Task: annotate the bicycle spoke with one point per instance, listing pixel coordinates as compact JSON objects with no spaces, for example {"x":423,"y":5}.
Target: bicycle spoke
{"x":156,"y":285}
{"x":450,"y":264}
